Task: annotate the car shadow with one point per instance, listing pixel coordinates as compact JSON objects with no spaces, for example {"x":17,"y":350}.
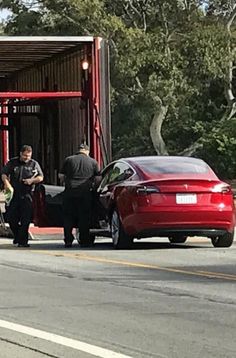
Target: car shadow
{"x":105,"y":246}
{"x":146,"y":245}
{"x":55,"y":242}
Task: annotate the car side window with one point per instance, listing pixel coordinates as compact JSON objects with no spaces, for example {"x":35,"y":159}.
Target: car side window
{"x":106,"y":177}
{"x":120,"y":171}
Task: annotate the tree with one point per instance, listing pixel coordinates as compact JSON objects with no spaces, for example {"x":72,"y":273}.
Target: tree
{"x":172,"y":66}
{"x":178,"y":56}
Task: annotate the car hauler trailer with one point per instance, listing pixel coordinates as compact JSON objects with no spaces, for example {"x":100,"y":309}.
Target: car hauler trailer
{"x":54,"y":94}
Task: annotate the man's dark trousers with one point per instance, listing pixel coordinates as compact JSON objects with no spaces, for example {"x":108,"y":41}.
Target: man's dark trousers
{"x":19,"y":216}
{"x":77,"y":213}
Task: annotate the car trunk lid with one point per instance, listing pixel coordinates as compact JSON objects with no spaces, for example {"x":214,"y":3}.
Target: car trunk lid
{"x":182,"y":192}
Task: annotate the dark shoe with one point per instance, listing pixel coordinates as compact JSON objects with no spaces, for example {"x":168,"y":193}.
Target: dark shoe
{"x":68,"y":242}
{"x":23,"y":245}
{"x":85,"y":241}
{"x":68,"y":245}
{"x":15,"y":242}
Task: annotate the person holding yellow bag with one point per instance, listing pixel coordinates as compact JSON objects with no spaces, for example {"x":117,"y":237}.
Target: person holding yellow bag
{"x":19,"y":177}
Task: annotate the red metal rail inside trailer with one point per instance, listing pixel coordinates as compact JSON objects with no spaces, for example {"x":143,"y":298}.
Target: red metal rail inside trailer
{"x":38,"y":95}
{"x":54,"y":93}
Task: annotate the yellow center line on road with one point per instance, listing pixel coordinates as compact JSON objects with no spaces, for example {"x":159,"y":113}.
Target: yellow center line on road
{"x":218,"y":273}
{"x":59,"y":253}
{"x":77,"y":256}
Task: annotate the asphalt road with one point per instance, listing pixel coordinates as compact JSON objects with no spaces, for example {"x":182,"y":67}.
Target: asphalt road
{"x":156,"y":300}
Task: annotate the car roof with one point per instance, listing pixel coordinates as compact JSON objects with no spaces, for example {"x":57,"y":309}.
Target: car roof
{"x":165,"y":158}
{"x":141,"y":164}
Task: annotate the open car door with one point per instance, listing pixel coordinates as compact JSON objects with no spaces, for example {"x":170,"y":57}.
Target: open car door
{"x":48,"y":211}
{"x":48,"y":206}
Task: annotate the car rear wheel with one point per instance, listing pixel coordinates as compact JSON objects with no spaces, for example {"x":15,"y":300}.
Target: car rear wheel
{"x":177,"y":239}
{"x":119,"y":237}
{"x":225,"y":240}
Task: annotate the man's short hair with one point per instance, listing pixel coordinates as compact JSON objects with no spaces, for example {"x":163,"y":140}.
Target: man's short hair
{"x":26,"y":148}
{"x":83,"y":146}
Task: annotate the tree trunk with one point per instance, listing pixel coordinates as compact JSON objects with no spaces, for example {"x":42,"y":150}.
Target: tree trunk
{"x":229,"y":95}
{"x":155,"y":130}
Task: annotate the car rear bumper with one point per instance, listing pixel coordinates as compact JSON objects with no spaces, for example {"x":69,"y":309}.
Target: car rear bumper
{"x":207,"y":232}
{"x":189,"y":221}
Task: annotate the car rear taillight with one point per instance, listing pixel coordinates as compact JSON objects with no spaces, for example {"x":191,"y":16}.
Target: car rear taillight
{"x":145,"y":190}
{"x":221,"y":188}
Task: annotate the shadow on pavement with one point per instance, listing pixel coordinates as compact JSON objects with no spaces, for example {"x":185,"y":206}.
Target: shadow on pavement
{"x":103,"y":246}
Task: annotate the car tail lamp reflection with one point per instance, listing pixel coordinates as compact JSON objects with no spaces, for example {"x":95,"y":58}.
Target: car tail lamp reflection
{"x":221,"y":188}
{"x":146,"y":190}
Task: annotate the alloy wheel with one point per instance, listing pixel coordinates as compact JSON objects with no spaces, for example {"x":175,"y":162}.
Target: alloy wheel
{"x":115,"y":228}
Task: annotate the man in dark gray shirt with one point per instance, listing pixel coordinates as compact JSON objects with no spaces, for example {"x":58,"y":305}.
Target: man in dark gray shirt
{"x":19,"y":176}
{"x":79,"y":172}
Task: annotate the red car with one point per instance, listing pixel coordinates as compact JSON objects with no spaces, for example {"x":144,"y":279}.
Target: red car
{"x":172,"y":197}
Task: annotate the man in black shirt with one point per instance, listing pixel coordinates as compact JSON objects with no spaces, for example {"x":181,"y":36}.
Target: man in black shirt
{"x":78,"y":172}
{"x":20,"y":175}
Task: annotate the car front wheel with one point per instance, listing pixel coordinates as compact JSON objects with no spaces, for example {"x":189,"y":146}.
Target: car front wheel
{"x":225,"y":240}
{"x":119,"y":237}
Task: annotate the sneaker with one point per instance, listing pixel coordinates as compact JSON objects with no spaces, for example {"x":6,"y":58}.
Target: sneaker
{"x":23,"y":245}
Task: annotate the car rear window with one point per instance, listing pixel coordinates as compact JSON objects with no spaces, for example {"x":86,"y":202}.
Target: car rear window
{"x":174,"y":167}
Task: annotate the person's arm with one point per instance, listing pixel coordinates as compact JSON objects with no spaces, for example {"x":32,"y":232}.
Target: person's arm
{"x":61,"y":178}
{"x":5,"y":176}
{"x":62,"y":173}
{"x":33,"y":180}
{"x":6,"y":182}
{"x":96,"y":169}
{"x":97,"y":176}
{"x":36,"y":178}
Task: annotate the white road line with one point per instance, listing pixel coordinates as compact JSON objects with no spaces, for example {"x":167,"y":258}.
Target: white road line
{"x":67,"y":342}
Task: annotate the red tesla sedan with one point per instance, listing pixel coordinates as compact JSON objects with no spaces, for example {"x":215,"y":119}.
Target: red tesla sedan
{"x":172,"y":197}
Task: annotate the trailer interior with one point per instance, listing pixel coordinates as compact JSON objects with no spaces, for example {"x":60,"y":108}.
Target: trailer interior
{"x":54,"y":94}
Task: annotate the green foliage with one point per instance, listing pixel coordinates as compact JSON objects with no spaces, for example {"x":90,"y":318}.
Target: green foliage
{"x":220,"y":148}
{"x":169,"y":52}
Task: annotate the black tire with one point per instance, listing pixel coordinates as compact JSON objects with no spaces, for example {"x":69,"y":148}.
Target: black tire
{"x":225,"y":240}
{"x":120,"y":239}
{"x":177,"y":239}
